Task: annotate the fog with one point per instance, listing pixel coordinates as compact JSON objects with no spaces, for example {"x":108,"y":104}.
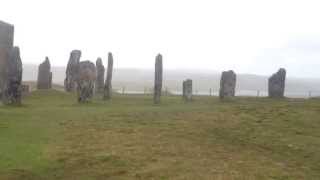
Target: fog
{"x":249,"y":36}
{"x":141,"y":80}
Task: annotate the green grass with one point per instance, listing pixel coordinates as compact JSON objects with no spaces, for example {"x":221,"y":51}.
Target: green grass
{"x":53,"y":137}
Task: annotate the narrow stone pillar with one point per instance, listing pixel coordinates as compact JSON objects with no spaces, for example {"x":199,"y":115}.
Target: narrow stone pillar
{"x":227,"y":84}
{"x":108,"y":83}
{"x":187,"y":90}
{"x":183,"y":89}
{"x":50,"y":80}
{"x":44,"y":75}
{"x":12,"y":86}
{"x":25,"y":89}
{"x":86,"y":80}
{"x":72,"y":71}
{"x":158,"y":79}
{"x":6,"y":44}
{"x":100,"y":76}
{"x":276,"y":84}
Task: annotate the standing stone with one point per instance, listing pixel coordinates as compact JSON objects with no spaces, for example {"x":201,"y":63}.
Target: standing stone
{"x":12,"y":85}
{"x":227,"y":84}
{"x":72,"y":71}
{"x":100,"y":76}
{"x":108,"y":84}
{"x":25,"y":89}
{"x":183,"y":89}
{"x":6,"y":44}
{"x":277,"y":84}
{"x":86,"y":80}
{"x":157,"y":79}
{"x":187,"y":90}
{"x":50,"y":80}
{"x":44,"y":75}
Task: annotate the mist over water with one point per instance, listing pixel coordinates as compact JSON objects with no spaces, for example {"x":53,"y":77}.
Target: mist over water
{"x":140,"y":81}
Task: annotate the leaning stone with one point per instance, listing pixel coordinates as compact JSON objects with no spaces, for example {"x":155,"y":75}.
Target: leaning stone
{"x":108,"y":83}
{"x":44,"y":75}
{"x":86,"y":80}
{"x":100,"y":76}
{"x":6,"y":44}
{"x":276,"y":85}
{"x":12,"y":87}
{"x":187,"y":90}
{"x":158,"y":79}
{"x":227,"y":84}
{"x":72,"y":71}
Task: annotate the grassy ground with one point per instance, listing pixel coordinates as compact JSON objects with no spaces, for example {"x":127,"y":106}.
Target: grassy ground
{"x":53,"y":137}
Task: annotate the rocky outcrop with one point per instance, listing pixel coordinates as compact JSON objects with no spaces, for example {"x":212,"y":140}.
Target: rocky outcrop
{"x":227,"y":84}
{"x":187,"y":90}
{"x":44,"y":75}
{"x":108,"y":83}
{"x":100,"y":76}
{"x":86,"y":80}
{"x":6,"y":44}
{"x":12,"y":86}
{"x":72,"y":71}
{"x":276,"y":85}
{"x":157,"y":79}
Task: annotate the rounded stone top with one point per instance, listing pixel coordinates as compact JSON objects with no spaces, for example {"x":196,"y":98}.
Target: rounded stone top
{"x":282,"y":70}
{"x":45,"y":65}
{"x":47,"y":60}
{"x":76,"y":51}
{"x":110,"y":56}
{"x":75,"y":54}
{"x":99,"y":62}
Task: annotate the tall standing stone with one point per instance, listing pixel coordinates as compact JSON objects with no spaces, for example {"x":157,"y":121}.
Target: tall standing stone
{"x":183,"y":89}
{"x":72,"y":71}
{"x":44,"y":75}
{"x":100,"y":76}
{"x":108,"y":84}
{"x":86,"y":80}
{"x":50,"y":80}
{"x":187,"y":90}
{"x":227,"y":84}
{"x":277,"y":83}
{"x":157,"y":79}
{"x":12,"y":86}
{"x":6,"y":44}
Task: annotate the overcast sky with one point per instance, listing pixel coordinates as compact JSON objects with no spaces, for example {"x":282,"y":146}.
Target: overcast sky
{"x":249,"y":36}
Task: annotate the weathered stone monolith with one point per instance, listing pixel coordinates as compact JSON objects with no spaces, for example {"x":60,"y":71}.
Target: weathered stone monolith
{"x":72,"y":71}
{"x":6,"y":44}
{"x":86,"y":80}
{"x":227,"y":84}
{"x":50,"y":80}
{"x":44,"y":75}
{"x":277,"y":83}
{"x":108,"y":83}
{"x":187,"y":90}
{"x":25,"y":89}
{"x":157,"y":79}
{"x":100,"y":76}
{"x":12,"y":86}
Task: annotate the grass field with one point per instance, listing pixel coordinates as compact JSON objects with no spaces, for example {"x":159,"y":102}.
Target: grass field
{"x":53,"y":137}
